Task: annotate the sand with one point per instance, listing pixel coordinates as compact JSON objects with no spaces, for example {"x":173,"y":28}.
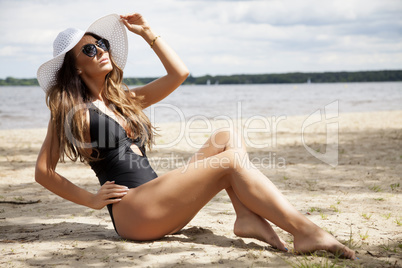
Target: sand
{"x":358,"y":199}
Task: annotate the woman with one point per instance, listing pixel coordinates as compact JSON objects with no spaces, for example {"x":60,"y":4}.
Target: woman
{"x":109,"y":131}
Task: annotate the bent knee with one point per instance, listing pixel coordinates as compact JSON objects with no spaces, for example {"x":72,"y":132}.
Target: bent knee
{"x":235,"y":159}
{"x":227,"y":138}
{"x":226,"y":133}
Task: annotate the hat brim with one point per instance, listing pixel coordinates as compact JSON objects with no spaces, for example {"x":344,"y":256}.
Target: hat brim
{"x":109,"y":27}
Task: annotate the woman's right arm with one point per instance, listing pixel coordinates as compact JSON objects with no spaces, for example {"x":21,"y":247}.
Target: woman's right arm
{"x":46,"y":175}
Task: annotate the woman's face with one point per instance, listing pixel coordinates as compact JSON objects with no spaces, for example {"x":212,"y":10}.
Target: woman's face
{"x":92,"y":67}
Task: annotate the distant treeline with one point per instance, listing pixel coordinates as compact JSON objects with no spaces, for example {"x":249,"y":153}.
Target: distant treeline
{"x":11,"y":81}
{"x":326,"y":77}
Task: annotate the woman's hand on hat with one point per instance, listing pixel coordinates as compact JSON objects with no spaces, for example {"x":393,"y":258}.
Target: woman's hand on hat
{"x":136,"y":23}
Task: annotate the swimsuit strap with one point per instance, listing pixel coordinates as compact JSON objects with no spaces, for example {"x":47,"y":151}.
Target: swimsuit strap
{"x":136,"y":141}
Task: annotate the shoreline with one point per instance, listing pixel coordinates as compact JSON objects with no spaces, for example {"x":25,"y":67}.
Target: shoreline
{"x":358,"y":200}
{"x":292,"y":116}
{"x":387,"y":75}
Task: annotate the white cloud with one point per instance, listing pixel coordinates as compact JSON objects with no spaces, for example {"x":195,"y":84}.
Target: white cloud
{"x":9,"y":51}
{"x":218,"y":37}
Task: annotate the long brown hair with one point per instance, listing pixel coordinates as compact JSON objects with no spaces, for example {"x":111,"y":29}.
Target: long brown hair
{"x":70,"y":92}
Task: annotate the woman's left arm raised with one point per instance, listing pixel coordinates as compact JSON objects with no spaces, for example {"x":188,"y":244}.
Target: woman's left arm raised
{"x":177,"y":71}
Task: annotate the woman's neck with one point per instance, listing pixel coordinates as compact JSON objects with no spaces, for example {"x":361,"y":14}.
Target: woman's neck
{"x":95,"y":88}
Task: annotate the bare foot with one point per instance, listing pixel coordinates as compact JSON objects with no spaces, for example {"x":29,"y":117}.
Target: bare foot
{"x":254,"y":226}
{"x":321,"y":240}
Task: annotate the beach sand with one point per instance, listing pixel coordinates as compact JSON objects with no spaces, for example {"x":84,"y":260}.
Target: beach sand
{"x":358,"y":200}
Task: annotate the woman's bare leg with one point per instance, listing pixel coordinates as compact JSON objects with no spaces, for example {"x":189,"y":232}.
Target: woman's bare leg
{"x":308,"y":237}
{"x":247,"y":224}
{"x":251,"y":225}
{"x":162,"y":205}
{"x":170,"y":201}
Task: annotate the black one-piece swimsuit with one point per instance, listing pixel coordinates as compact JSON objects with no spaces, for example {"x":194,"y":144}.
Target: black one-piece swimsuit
{"x":116,"y":160}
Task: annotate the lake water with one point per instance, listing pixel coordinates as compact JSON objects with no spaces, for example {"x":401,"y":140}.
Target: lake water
{"x":25,"y":107}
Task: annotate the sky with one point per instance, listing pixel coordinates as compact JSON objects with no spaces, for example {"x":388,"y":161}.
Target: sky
{"x":218,"y":37}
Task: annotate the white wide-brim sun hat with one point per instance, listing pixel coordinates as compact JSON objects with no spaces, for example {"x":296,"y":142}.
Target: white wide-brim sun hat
{"x":109,"y":27}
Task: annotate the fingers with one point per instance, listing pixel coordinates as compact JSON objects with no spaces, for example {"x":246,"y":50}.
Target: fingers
{"x":115,"y":194}
{"x":134,"y":18}
{"x":135,"y":23}
{"x":130,"y":15}
{"x":109,"y":193}
{"x":126,"y":16}
{"x":110,"y":188}
{"x":130,"y":18}
{"x":111,"y":184}
{"x":112,"y":193}
{"x":126,"y":23}
{"x":113,"y":201}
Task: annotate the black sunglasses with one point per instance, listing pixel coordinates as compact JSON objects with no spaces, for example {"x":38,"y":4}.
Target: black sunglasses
{"x":90,"y":49}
